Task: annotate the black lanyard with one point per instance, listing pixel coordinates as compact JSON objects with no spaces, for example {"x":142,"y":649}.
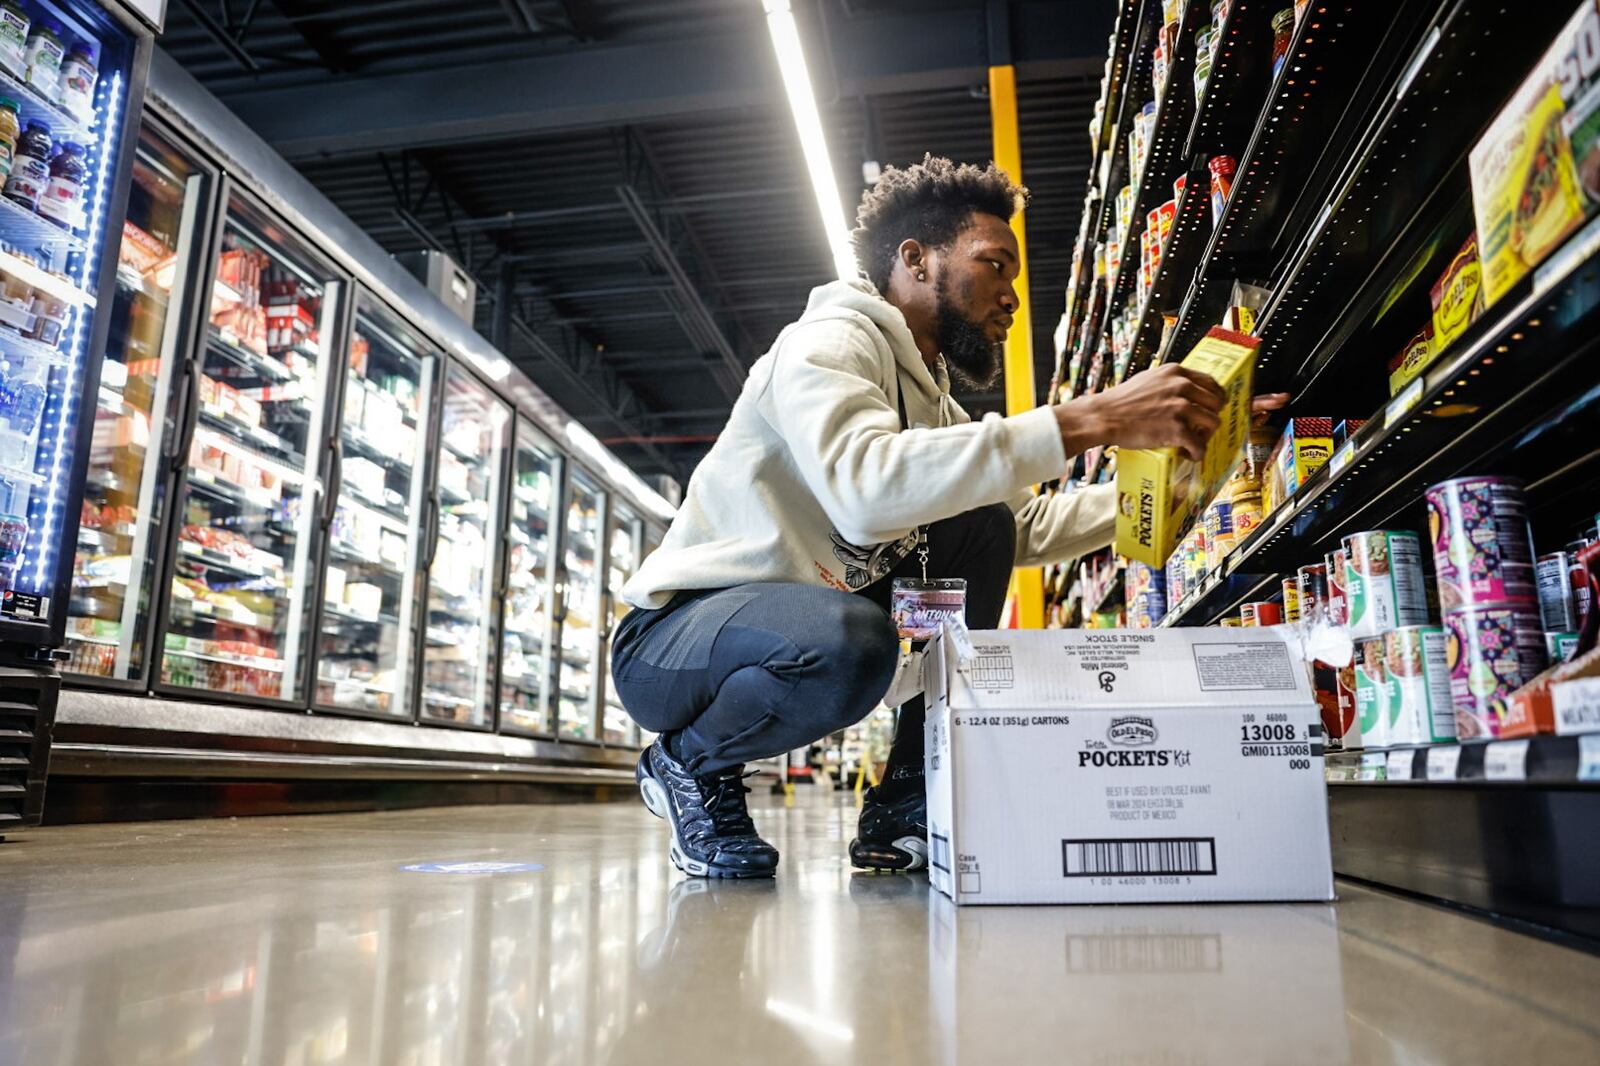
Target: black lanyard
{"x":922,"y":531}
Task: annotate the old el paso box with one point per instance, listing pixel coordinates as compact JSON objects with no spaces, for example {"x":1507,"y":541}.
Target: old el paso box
{"x":1071,"y":766}
{"x":1159,"y":491}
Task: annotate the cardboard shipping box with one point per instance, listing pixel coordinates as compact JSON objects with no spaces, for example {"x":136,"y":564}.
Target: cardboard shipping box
{"x":1081,"y":766}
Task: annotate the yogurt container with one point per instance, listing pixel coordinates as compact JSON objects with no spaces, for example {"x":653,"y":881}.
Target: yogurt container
{"x":1482,"y":544}
{"x":1491,"y":652}
{"x":1383,"y":582}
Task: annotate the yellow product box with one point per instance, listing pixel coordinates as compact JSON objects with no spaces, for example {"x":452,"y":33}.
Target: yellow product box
{"x":1159,"y":490}
{"x":1413,"y":359}
{"x":1304,"y":448}
{"x":1457,"y":298}
{"x":1525,"y":191}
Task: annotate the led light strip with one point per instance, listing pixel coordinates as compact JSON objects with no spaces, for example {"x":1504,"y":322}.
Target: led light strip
{"x":77,"y":332}
{"x":808,"y":124}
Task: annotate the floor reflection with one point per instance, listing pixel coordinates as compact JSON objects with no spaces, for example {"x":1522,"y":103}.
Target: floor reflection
{"x":302,"y":941}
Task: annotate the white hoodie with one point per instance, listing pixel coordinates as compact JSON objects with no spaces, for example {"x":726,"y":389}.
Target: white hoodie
{"x":814,"y":480}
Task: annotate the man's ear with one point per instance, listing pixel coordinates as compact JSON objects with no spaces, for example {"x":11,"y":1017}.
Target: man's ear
{"x":914,"y":258}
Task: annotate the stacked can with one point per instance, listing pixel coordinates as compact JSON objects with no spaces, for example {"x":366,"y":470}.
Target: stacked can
{"x":1147,"y":595}
{"x":1311,"y":586}
{"x":1483,"y":556}
{"x":1337,"y":613}
{"x":1383,"y":592}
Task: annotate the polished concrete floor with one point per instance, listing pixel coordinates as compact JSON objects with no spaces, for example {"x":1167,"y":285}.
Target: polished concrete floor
{"x":306,"y":941}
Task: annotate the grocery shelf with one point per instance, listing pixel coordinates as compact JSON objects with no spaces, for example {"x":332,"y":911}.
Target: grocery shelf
{"x":347,"y":553}
{"x":14,"y":343}
{"x":30,"y":274}
{"x":262,"y":366}
{"x":253,"y":662}
{"x":1135,"y":93}
{"x":64,"y":125}
{"x":1502,"y":399}
{"x":26,"y":229}
{"x":341,"y":614}
{"x":249,"y":435}
{"x":1400,"y":207}
{"x":216,"y":485}
{"x":215,"y":560}
{"x":368,"y":448}
{"x":1569,"y":760}
{"x":1129,"y":15}
{"x":1227,"y":111}
{"x":1310,"y":114}
{"x":1191,"y":226}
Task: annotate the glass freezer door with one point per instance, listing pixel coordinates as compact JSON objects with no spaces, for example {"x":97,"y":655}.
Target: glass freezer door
{"x":120,"y":528}
{"x":530,"y":586}
{"x":580,"y":646}
{"x":369,"y":588}
{"x":239,"y":613}
{"x":622,"y":560}
{"x":459,"y":653}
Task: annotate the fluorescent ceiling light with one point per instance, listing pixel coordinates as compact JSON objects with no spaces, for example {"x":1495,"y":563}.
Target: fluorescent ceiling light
{"x":807,"y":123}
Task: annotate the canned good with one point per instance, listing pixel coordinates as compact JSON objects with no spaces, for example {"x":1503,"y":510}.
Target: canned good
{"x":1312,"y":581}
{"x":1424,"y":710}
{"x":1383,"y":582}
{"x":1262,"y":613}
{"x":1219,"y":526}
{"x":1349,"y":719}
{"x":1222,"y":169}
{"x":1491,"y":652}
{"x":1559,"y":647}
{"x":1374,"y":693}
{"x":1246,"y":513}
{"x":1233,"y":622}
{"x":1558,"y":608}
{"x":1338,"y":602}
{"x":1482,"y":544}
{"x":1578,"y":579}
{"x":1291,"y":600}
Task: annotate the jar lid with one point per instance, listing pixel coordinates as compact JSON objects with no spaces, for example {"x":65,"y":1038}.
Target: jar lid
{"x":6,"y":101}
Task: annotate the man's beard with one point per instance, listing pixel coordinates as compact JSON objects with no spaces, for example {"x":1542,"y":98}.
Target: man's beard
{"x":972,"y":358}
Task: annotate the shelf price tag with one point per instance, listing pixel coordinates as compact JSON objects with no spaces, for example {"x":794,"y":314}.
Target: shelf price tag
{"x":1589,"y":757}
{"x":1403,"y":402}
{"x":1506,"y":760}
{"x":1398,"y":765}
{"x":1341,"y":458}
{"x":1443,"y":762}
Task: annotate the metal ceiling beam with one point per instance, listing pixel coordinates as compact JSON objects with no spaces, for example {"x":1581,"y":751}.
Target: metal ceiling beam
{"x":621,"y":84}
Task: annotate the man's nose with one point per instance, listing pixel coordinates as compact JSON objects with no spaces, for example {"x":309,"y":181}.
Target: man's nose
{"x":1009,"y":301}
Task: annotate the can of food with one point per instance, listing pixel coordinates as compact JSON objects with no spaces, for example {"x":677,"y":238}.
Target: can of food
{"x":1325,"y":684}
{"x":1291,"y":600}
{"x":1219,"y":532}
{"x":1230,"y":621}
{"x":1247,"y":614}
{"x":1560,"y":647}
{"x":1338,"y":602}
{"x":1424,"y":710}
{"x":1374,"y":693}
{"x":1349,"y":720}
{"x":1383,"y":582}
{"x":1263,"y":613}
{"x":1482,"y":544}
{"x":1578,"y":579}
{"x":1558,"y":610}
{"x":1491,"y":652}
{"x":1312,"y":581}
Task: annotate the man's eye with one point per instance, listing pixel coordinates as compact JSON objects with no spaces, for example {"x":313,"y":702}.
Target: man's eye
{"x":999,"y":267}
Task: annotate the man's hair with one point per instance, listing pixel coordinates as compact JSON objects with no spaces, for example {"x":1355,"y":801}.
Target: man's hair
{"x":930,"y":202}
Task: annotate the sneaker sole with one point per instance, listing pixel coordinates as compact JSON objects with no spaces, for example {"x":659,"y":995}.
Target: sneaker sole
{"x":905,"y":854}
{"x":655,"y":800}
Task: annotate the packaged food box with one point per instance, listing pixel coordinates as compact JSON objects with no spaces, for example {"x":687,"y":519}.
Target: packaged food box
{"x":1527,"y":194}
{"x":1411,"y":360}
{"x":1160,"y":491}
{"x":1304,"y":448}
{"x":1457,"y":296}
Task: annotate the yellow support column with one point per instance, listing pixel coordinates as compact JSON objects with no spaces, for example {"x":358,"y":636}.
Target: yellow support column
{"x":1027,"y":584}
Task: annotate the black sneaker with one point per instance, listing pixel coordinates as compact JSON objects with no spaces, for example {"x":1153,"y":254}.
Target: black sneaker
{"x":892,"y":833}
{"x":712,"y":834}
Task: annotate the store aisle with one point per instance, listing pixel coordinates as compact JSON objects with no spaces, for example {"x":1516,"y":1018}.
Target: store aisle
{"x":305,"y":940}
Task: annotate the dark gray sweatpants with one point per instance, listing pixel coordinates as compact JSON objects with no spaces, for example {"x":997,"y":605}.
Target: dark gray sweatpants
{"x":752,"y":671}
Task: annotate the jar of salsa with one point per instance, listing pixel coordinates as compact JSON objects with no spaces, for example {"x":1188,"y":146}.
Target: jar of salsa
{"x":1282,"y":36}
{"x":30,"y":167}
{"x":62,"y":200}
{"x":10,"y":130}
{"x":1222,"y":169}
{"x":14,"y":23}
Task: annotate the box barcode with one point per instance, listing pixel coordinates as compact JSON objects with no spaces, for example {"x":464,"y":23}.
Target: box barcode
{"x":939,"y":853}
{"x":1107,"y":858}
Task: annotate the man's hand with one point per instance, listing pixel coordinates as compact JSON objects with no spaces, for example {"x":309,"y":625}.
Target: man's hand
{"x":1263,"y":404}
{"x":1166,"y":406}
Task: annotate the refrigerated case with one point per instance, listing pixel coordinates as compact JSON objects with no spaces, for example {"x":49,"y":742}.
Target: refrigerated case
{"x":63,"y":200}
{"x":460,"y":647}
{"x":624,"y":552}
{"x":249,"y":512}
{"x":126,"y":492}
{"x":529,"y":592}
{"x":374,"y":561}
{"x":580,"y":608}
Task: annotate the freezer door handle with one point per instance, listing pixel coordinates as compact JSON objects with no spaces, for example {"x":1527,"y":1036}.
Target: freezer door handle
{"x":330,"y":501}
{"x":430,"y":533}
{"x":190,"y":420}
